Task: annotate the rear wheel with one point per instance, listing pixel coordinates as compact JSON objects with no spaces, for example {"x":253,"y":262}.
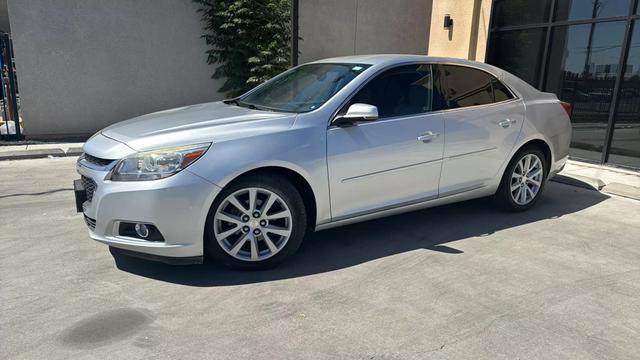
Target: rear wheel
{"x":523,"y":180}
{"x":255,"y":223}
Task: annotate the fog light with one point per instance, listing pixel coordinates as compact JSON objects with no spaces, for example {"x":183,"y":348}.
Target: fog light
{"x":142,"y":230}
{"x":147,"y":232}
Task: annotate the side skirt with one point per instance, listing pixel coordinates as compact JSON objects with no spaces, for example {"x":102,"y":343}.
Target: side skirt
{"x":466,"y":195}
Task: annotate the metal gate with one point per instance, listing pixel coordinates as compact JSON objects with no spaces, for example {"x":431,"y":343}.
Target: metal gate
{"x":10,"y":97}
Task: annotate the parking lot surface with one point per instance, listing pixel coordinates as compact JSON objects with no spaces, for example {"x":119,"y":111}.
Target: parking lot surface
{"x":464,"y":281}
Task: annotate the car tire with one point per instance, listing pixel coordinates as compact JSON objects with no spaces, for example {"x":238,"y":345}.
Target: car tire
{"x":271,"y":248}
{"x":509,"y":195}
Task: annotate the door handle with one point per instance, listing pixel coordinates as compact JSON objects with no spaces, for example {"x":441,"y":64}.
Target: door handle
{"x":427,"y":136}
{"x":506,"y":123}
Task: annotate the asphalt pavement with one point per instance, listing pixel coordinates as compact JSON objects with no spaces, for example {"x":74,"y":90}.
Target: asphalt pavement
{"x":463,"y":281}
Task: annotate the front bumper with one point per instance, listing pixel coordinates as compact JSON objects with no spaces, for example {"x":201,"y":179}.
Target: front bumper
{"x":177,"y":206}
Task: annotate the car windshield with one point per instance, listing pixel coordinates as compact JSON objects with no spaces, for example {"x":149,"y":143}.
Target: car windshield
{"x":302,"y":89}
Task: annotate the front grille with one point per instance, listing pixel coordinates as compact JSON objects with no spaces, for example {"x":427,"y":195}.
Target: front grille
{"x":91,"y":223}
{"x":90,"y":187}
{"x":96,"y":160}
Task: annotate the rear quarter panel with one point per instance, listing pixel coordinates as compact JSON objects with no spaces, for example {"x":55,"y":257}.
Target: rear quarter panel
{"x":547,"y":120}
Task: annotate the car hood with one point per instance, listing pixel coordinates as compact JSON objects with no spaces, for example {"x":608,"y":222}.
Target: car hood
{"x":195,"y":124}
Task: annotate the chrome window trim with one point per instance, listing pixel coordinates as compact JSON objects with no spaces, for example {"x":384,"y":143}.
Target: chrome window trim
{"x":392,"y":118}
{"x":516,"y":96}
{"x":428,"y":113}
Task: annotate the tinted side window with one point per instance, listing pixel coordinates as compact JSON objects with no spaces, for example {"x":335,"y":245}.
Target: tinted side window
{"x":500,"y":92}
{"x":439,"y":101}
{"x":405,"y":90}
{"x":466,"y":86}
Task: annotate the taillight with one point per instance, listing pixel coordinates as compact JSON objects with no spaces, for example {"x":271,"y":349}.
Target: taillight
{"x":567,"y":107}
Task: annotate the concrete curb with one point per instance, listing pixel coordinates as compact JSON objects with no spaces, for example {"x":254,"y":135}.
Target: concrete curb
{"x":39,"y":153}
{"x":624,"y":190}
{"x":628,"y":191}
{"x":580,"y":181}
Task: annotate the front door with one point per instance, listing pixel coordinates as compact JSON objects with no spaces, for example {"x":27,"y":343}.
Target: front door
{"x":394,"y":160}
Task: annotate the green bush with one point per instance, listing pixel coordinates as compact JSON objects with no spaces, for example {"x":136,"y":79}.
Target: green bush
{"x":249,"y":40}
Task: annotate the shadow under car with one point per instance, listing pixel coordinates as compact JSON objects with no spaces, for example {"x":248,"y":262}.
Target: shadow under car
{"x":351,"y":245}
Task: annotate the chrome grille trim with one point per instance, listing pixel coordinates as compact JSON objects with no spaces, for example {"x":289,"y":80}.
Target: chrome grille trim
{"x":91,"y":223}
{"x":90,"y":187}
{"x":96,"y":160}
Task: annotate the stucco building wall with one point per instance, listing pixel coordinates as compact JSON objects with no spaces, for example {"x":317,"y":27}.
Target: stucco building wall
{"x":85,"y":64}
{"x":349,"y":27}
{"x":467,"y":38}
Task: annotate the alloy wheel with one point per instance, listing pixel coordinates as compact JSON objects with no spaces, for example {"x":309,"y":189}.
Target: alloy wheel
{"x":526,"y":179}
{"x":253,"y":224}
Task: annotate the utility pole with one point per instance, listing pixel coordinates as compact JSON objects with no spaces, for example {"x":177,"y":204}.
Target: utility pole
{"x":587,"y":60}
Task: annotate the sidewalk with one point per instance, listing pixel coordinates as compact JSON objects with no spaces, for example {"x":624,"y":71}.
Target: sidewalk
{"x":595,"y":177}
{"x":607,"y":179}
{"x":43,"y":150}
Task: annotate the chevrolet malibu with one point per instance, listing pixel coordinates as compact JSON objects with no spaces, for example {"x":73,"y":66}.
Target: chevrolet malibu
{"x":325,"y":144}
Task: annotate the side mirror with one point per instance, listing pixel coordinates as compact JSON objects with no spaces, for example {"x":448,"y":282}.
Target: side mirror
{"x":357,"y":113}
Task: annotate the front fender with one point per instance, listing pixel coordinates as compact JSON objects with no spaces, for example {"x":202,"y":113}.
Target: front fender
{"x":301,"y":150}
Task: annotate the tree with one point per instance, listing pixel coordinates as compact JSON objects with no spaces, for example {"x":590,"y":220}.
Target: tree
{"x":249,"y":40}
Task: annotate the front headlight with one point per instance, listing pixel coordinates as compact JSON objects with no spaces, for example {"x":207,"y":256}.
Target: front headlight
{"x":157,"y":164}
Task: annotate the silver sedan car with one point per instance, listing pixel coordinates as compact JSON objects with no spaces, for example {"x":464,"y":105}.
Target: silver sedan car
{"x":325,"y":144}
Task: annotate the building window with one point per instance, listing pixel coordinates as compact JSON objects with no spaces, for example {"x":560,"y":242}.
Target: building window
{"x":518,"y":52}
{"x":520,"y":12}
{"x":583,"y":64}
{"x":575,"y":49}
{"x":625,"y":145}
{"x":590,"y":9}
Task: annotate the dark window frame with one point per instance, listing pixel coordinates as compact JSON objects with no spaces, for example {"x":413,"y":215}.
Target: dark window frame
{"x":492,"y":78}
{"x":342,"y":109}
{"x":346,"y":103}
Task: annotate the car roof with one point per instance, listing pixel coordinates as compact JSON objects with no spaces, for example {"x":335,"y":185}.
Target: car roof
{"x":383,"y":60}
{"x":388,"y":59}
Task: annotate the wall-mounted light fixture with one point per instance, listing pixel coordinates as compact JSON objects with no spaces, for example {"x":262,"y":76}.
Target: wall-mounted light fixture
{"x":448,"y":21}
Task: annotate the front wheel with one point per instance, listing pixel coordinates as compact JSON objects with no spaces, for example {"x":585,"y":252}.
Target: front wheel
{"x":523,"y":180}
{"x":255,"y":223}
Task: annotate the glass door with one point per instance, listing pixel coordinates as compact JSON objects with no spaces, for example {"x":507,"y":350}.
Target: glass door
{"x":582,"y":70}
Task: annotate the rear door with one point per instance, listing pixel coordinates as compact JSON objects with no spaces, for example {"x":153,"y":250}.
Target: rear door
{"x":482,"y":123}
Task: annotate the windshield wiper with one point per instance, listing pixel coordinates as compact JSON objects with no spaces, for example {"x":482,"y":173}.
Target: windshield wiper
{"x":247,"y":105}
{"x":237,"y":102}
{"x":254,"y":106}
{"x":232,"y":101}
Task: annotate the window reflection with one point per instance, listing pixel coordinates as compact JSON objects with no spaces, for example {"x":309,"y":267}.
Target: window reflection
{"x":402,"y":91}
{"x":520,"y":12}
{"x":590,"y":9}
{"x":583,"y":63}
{"x":467,"y":86}
{"x":625,"y":145}
{"x":519,"y":52}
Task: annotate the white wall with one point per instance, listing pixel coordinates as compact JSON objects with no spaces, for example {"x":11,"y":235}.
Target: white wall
{"x":85,"y":64}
